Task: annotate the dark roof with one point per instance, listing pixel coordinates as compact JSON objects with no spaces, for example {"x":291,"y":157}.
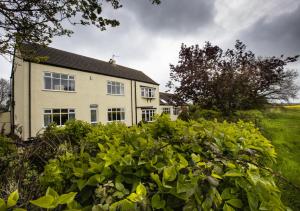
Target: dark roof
{"x":166,"y":99}
{"x":66,"y":59}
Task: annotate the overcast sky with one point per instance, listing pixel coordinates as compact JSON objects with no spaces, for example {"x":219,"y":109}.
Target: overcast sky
{"x":149,"y":37}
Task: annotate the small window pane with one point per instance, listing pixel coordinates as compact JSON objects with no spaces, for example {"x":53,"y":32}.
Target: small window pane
{"x":64,"y":76}
{"x":64,"y":110}
{"x":109,"y":88}
{"x":56,"y":84}
{"x":64,"y":84}
{"x":71,"y":116}
{"x":56,"y":111}
{"x":71,"y":77}
{"x":71,"y":85}
{"x":47,"y":119}
{"x":64,"y":118}
{"x":55,"y":75}
{"x":47,"y":83}
{"x":47,"y":74}
{"x":93,"y":115}
{"x":56,"y":118}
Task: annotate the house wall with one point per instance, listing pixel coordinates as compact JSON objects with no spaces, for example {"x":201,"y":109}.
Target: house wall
{"x":172,"y":116}
{"x":90,"y":88}
{"x":5,"y":122}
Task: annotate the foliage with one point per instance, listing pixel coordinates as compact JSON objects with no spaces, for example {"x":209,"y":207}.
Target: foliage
{"x":50,"y":201}
{"x":231,"y":80}
{"x":11,"y":202}
{"x":38,"y":21}
{"x":4,"y":94}
{"x":195,"y":112}
{"x":168,"y":165}
{"x":8,"y":154}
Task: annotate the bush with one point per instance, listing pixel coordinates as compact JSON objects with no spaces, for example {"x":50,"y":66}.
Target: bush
{"x":167,"y":165}
{"x":195,"y":112}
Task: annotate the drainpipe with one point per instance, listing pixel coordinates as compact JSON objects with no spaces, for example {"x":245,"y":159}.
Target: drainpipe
{"x":135,"y":103}
{"x":29,"y":97}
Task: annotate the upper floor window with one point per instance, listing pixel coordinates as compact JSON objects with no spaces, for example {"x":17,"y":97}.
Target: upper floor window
{"x":58,"y":116}
{"x":166,"y":110}
{"x":58,"y":81}
{"x":148,"y":92}
{"x":115,"y":88}
{"x":115,"y":114}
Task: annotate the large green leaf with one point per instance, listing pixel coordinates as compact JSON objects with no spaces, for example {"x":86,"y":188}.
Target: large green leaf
{"x":235,"y":203}
{"x":169,"y":173}
{"x":44,"y":202}
{"x":2,"y":205}
{"x":66,"y":198}
{"x":13,"y":199}
{"x":141,"y":190}
{"x":157,"y":202}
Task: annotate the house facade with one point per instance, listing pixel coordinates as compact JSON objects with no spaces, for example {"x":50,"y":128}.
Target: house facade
{"x":168,"y":106}
{"x":69,"y":86}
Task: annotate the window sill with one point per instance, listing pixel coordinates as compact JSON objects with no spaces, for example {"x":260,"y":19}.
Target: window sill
{"x":116,"y":121}
{"x":51,"y":90}
{"x":149,"y":97}
{"x":115,"y":95}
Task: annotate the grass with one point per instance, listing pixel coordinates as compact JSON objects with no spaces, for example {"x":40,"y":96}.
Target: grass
{"x":282,"y":126}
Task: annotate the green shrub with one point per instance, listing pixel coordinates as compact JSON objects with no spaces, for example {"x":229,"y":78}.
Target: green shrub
{"x":168,"y":165}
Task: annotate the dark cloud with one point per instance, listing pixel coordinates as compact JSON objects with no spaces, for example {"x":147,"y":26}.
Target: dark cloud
{"x":173,"y":16}
{"x":280,"y":35}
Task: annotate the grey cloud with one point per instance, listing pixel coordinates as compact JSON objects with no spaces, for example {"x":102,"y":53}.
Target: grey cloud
{"x":174,"y":17}
{"x":280,"y":35}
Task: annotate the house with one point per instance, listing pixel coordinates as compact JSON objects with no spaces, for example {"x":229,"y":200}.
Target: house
{"x":168,"y":105}
{"x":67,"y":86}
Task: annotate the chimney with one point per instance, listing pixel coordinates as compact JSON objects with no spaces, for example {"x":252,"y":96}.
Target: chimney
{"x":112,"y":62}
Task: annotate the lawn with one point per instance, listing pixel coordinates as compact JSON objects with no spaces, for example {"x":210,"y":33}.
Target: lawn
{"x":282,"y":127}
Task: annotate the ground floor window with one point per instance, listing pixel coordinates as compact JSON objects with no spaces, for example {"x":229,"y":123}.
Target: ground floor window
{"x":115,"y":114}
{"x":59,"y":116}
{"x":148,"y":114}
{"x":94,"y":113}
{"x":166,"y":110}
{"x":176,"y":110}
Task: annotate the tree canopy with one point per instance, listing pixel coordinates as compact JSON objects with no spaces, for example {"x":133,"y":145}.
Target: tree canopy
{"x":38,"y":21}
{"x":232,"y":79}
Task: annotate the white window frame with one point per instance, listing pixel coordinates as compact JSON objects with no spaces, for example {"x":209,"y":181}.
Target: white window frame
{"x":148,"y":92}
{"x":117,"y":110}
{"x":166,"y":110}
{"x":49,"y":111}
{"x":94,"y":108}
{"x":176,"y":111}
{"x":116,"y":85}
{"x":148,"y":114}
{"x":51,"y":76}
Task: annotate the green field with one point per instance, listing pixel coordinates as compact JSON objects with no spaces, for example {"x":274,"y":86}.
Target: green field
{"x":282,"y":127}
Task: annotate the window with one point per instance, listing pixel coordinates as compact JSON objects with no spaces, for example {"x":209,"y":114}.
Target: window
{"x":176,"y":110}
{"x":116,"y":114}
{"x":94,"y":113}
{"x":167,"y":110}
{"x":58,"y":116}
{"x":148,"y":92}
{"x":115,"y":88}
{"x":148,"y":114}
{"x":58,"y":81}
